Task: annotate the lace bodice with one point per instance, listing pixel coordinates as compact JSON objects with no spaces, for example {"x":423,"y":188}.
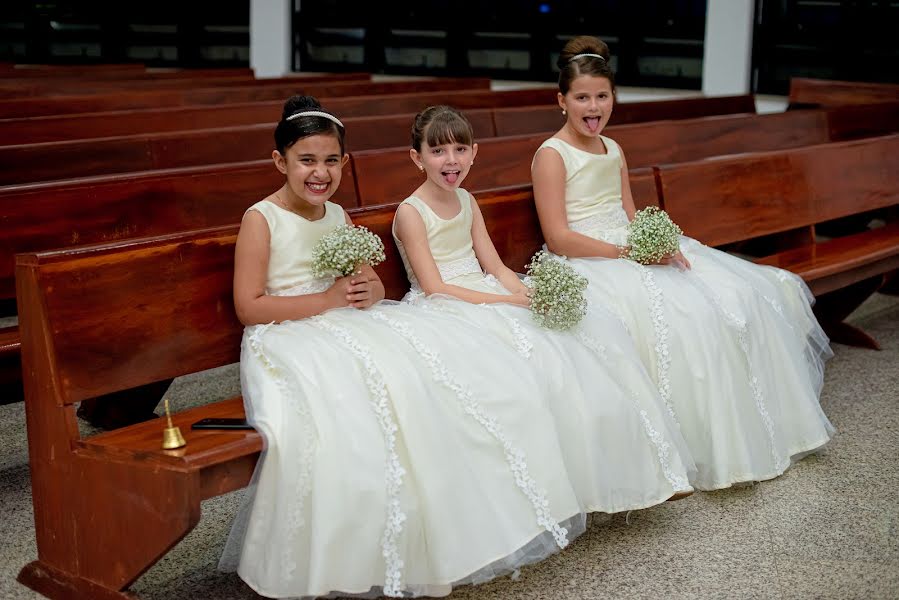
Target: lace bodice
{"x":292,"y":241}
{"x":592,"y":186}
{"x":449,"y":240}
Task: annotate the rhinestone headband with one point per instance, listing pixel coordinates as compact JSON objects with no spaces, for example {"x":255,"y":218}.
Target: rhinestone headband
{"x":576,"y":56}
{"x":314,"y":113}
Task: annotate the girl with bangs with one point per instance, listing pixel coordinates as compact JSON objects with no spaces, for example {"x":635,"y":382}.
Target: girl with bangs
{"x":620,"y":446}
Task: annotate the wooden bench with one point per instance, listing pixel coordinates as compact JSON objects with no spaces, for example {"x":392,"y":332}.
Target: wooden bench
{"x":82,"y":337}
{"x":786,"y":193}
{"x":171,"y":93}
{"x":93,"y":125}
{"x":262,"y":106}
{"x":387,"y":175}
{"x":807,"y":92}
{"x":48,"y":161}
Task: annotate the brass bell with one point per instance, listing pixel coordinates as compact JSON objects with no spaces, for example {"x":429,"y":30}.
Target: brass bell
{"x":171,"y":436}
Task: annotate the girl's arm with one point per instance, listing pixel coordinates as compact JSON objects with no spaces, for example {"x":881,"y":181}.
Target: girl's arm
{"x":253,"y":305}
{"x":548,"y":175}
{"x":488,"y":256}
{"x":410,"y":229}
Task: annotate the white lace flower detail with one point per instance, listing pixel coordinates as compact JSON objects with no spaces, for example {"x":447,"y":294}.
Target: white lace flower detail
{"x":740,"y":325}
{"x":514,"y":456}
{"x":295,"y":520}
{"x":377,"y":389}
{"x":660,"y":327}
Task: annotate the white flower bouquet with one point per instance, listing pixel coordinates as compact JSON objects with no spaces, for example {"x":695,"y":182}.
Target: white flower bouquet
{"x":341,"y":251}
{"x":652,"y":235}
{"x":557,"y":296}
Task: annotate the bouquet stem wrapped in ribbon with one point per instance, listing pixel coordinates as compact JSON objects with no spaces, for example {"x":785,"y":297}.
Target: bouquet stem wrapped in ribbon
{"x":652,"y":236}
{"x":557,"y":297}
{"x":341,"y":251}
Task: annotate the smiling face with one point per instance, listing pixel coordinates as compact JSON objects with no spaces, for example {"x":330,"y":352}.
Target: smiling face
{"x":313,"y":166}
{"x":445,"y":165}
{"x":589,"y":103}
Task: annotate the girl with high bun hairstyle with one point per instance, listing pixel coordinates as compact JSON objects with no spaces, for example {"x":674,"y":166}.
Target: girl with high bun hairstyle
{"x":734,"y":347}
{"x":405,"y":452}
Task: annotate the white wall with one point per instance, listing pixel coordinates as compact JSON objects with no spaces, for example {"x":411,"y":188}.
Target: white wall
{"x":727,"y":56}
{"x":270,"y":44}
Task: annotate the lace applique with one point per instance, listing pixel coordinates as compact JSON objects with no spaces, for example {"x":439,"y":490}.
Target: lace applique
{"x":660,"y":327}
{"x":678,"y":482}
{"x":600,"y":222}
{"x":592,"y":344}
{"x":522,"y":344}
{"x":309,"y":287}
{"x":295,"y":520}
{"x":377,"y":390}
{"x":743,"y":339}
{"x":514,"y":456}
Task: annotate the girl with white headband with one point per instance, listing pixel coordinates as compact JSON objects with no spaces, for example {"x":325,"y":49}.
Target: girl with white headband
{"x":734,"y":347}
{"x":405,"y":452}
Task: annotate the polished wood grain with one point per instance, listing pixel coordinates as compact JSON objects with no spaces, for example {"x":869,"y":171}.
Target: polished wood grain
{"x":56,"y":99}
{"x":27,"y":163}
{"x":256,"y":101}
{"x":824,"y":92}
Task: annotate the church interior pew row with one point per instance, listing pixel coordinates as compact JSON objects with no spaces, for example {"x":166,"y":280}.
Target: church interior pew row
{"x":247,"y":100}
{"x":78,"y":96}
{"x":46,"y":161}
{"x":808,"y":92}
{"x":94,"y":125}
{"x":27,"y":163}
{"x":174,"y":93}
{"x":31,"y":163}
{"x":83,"y":338}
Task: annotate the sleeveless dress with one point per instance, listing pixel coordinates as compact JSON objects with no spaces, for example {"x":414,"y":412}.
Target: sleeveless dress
{"x":622,"y":449}
{"x":733,"y":346}
{"x":404,"y":454}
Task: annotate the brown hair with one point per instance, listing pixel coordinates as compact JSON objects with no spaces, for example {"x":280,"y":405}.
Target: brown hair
{"x":438,"y":125}
{"x":571,"y":68}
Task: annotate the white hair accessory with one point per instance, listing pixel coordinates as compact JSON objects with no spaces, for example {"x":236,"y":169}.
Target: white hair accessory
{"x":314,"y":113}
{"x":576,"y":56}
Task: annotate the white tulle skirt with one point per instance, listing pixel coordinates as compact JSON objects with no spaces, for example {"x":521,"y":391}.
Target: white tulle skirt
{"x":734,"y":348}
{"x":404,"y":454}
{"x":622,"y":449}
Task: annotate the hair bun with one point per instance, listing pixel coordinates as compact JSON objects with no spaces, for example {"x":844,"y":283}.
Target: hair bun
{"x":297,"y":103}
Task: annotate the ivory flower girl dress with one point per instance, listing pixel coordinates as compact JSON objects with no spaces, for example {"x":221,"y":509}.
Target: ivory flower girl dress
{"x":404,"y":453}
{"x":734,"y":347}
{"x":622,"y":449}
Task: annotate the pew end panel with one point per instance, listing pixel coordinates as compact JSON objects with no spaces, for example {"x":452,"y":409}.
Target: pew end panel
{"x":101,"y":319}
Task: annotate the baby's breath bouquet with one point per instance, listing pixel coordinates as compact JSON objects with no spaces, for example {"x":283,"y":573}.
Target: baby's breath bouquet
{"x":342,"y":250}
{"x":557,"y":297}
{"x":651,"y":236}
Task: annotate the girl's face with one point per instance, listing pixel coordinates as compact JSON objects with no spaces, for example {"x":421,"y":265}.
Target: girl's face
{"x":589,"y":104}
{"x":445,"y":165}
{"x":313,"y":166}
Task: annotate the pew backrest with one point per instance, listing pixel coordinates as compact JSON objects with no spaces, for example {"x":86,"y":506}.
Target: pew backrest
{"x":758,"y":194}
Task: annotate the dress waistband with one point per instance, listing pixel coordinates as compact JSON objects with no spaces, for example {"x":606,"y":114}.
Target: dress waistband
{"x":308,"y":287}
{"x":601,"y":222}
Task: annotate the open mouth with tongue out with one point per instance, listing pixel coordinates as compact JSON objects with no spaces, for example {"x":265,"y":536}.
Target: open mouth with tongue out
{"x":592,"y":123}
{"x":451,"y":176}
